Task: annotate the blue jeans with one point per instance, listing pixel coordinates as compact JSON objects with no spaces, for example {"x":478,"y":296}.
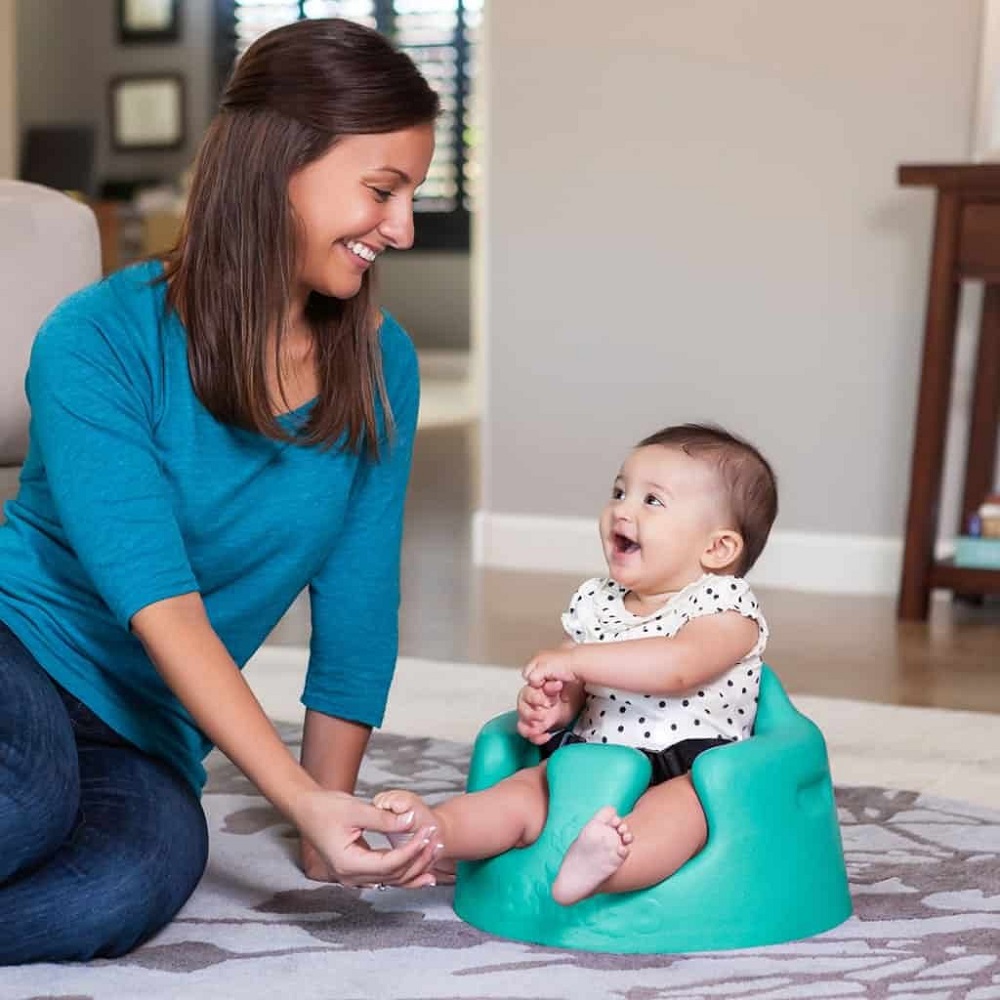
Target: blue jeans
{"x":100,"y":844}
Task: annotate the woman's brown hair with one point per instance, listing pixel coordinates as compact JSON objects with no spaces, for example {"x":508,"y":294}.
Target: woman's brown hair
{"x":293,"y":93}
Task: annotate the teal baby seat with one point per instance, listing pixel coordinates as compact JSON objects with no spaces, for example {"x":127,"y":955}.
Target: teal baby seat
{"x":772,"y":869}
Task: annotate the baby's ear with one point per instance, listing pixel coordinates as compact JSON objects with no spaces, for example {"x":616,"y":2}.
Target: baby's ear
{"x":723,"y":550}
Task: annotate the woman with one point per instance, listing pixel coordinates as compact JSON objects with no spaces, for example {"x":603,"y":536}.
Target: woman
{"x":209,"y":435}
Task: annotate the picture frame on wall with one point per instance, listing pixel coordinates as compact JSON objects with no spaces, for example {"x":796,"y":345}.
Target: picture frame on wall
{"x":147,"y":111}
{"x":148,"y":21}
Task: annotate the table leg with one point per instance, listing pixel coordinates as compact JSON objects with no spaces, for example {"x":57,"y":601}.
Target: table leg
{"x":933,"y":405}
{"x":980,"y":462}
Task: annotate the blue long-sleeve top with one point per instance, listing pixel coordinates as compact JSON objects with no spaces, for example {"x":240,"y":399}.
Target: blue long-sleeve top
{"x":132,"y":492}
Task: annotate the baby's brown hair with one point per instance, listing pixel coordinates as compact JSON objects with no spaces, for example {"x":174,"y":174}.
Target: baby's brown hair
{"x":749,"y":480}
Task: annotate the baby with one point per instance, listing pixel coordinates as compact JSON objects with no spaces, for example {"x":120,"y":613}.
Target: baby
{"x":664,"y":655}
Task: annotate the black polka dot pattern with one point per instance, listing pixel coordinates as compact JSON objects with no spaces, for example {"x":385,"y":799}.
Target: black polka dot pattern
{"x":598,"y":613}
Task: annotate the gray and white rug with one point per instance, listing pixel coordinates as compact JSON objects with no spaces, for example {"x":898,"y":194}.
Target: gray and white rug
{"x":925,"y":877}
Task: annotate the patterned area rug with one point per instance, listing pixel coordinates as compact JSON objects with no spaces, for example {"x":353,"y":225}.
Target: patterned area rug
{"x":925,"y":878}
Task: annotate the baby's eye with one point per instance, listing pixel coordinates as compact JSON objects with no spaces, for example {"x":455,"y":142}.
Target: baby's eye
{"x":653,"y":500}
{"x":381,"y":194}
{"x":617,"y":493}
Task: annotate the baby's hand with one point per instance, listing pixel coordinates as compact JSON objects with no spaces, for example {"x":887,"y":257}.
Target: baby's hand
{"x":538,"y":712}
{"x":551,"y":667}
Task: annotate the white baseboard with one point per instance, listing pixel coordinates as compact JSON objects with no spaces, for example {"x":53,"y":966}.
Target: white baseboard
{"x":794,"y":560}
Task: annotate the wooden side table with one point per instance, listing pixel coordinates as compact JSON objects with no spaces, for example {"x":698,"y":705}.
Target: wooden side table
{"x":966,"y":247}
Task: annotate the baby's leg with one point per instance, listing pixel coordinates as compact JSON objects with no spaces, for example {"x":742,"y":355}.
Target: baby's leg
{"x":481,"y":824}
{"x":666,"y":828}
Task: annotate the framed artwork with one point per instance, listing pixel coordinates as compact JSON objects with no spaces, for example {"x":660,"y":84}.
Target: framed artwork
{"x":148,"y":21}
{"x":147,"y":111}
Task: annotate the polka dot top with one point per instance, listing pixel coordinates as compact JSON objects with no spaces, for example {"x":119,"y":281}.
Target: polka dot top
{"x":725,"y":707}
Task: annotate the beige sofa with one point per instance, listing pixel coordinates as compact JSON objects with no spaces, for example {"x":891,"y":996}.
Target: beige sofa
{"x":50,"y":248}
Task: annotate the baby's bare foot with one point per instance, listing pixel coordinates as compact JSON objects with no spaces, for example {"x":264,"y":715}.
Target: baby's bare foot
{"x":399,"y":801}
{"x":596,"y":854}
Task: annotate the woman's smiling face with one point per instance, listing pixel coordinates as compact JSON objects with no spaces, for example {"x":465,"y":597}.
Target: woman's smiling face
{"x":354,"y":202}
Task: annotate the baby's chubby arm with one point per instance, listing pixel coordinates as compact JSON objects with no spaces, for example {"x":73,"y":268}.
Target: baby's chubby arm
{"x":702,"y":650}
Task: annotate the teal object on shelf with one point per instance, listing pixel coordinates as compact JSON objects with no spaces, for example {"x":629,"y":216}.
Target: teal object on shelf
{"x":977,"y":553}
{"x":771,"y":871}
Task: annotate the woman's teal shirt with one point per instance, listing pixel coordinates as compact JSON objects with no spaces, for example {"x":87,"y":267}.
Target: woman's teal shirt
{"x":132,"y":492}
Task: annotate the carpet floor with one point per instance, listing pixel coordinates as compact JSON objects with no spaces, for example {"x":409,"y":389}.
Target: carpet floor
{"x":924,"y":874}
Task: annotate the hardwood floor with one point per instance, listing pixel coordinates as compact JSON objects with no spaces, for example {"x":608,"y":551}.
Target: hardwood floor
{"x":821,"y":644}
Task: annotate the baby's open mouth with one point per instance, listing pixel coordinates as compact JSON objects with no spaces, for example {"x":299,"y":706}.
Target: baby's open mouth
{"x":624,"y":545}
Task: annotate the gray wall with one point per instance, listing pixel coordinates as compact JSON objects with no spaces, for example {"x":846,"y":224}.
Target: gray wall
{"x":692,"y":213}
{"x":429,"y":294}
{"x":56,"y":79}
{"x":68,"y":52}
{"x":8,"y":91}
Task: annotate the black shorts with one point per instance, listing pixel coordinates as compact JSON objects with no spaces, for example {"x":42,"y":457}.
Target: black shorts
{"x":669,"y":763}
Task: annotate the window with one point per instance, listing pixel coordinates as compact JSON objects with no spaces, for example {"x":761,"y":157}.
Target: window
{"x":441,"y":37}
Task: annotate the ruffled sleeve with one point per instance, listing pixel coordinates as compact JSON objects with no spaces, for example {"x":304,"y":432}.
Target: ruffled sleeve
{"x":714,"y":594}
{"x":581,"y":615}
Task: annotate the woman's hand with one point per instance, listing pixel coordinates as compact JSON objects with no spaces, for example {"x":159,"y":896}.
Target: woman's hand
{"x":332,"y":825}
{"x":192,"y":659}
{"x":312,"y":863}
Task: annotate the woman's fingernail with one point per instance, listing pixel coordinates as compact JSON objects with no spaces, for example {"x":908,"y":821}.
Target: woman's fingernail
{"x":438,"y":848}
{"x":432,"y":883}
{"x":407,"y":818}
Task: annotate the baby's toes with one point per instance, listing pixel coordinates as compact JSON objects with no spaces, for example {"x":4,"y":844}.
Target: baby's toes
{"x":393,"y":800}
{"x":607,"y":815}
